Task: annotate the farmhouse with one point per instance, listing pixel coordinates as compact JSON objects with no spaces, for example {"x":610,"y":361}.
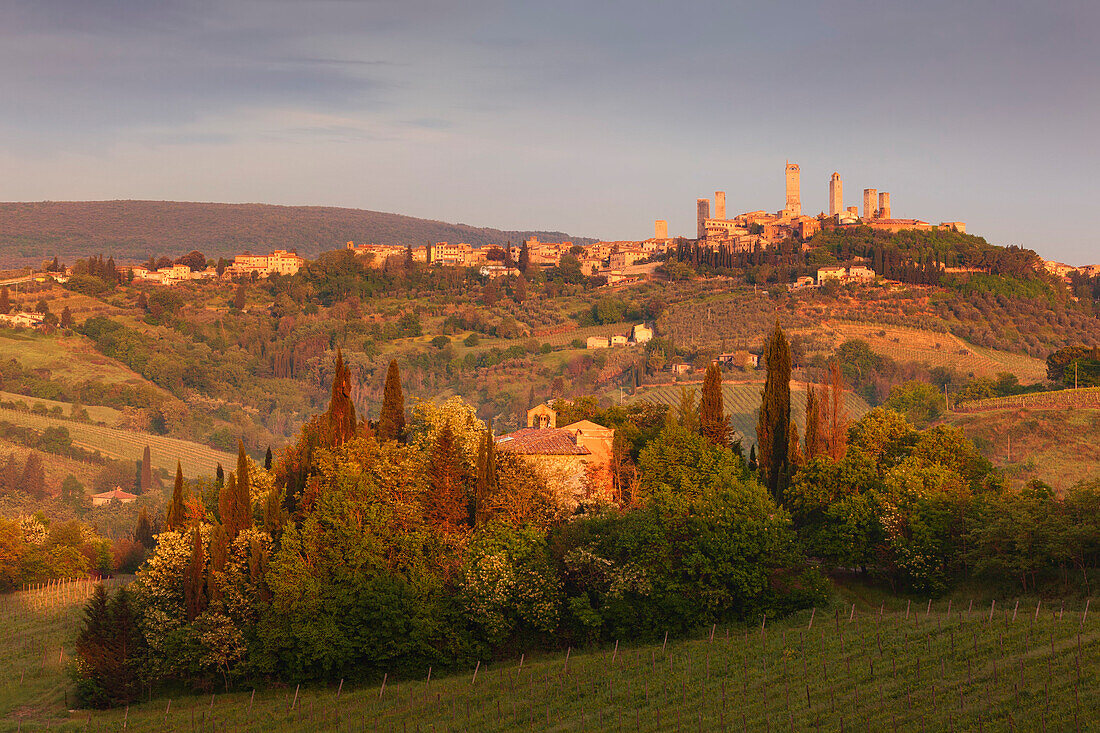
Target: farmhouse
{"x":116,"y":494}
{"x":575,"y":459}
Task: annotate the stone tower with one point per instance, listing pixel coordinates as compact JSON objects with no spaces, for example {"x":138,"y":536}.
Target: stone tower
{"x":702,"y":213}
{"x":836,"y":195}
{"x":870,"y":203}
{"x":884,"y":205}
{"x":660,"y":229}
{"x":794,"y":196}
{"x":720,"y":205}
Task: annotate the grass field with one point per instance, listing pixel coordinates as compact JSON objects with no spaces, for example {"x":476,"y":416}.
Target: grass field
{"x":908,"y":666}
{"x":936,"y":349}
{"x":196,"y":459}
{"x":742,"y":403}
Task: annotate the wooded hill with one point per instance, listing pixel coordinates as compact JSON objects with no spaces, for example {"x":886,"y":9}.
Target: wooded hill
{"x":134,"y":230}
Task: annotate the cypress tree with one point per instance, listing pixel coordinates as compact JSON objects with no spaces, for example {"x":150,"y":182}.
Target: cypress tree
{"x":486,"y":485}
{"x":773,"y":424}
{"x":240,"y":500}
{"x":267,"y":459}
{"x":713,"y":423}
{"x":176,"y":517}
{"x":837,"y":427}
{"x":226,"y":496}
{"x":524,"y":258}
{"x":143,"y":531}
{"x":146,"y":471}
{"x":814,"y":432}
{"x":794,"y":451}
{"x":341,"y":411}
{"x":219,"y":545}
{"x":687,"y":416}
{"x":219,"y":476}
{"x":391,"y":422}
{"x":752,"y":458}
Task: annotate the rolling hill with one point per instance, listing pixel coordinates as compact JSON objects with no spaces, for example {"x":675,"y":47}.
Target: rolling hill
{"x":134,"y":230}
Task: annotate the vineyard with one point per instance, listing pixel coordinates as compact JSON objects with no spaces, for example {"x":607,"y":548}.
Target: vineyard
{"x":1019,"y":664}
{"x":936,"y":349}
{"x":196,"y":459}
{"x":1087,"y":397}
{"x":742,"y":403}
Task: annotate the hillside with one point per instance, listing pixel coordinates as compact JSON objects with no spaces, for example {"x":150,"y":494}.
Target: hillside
{"x":197,"y":460}
{"x":134,"y":230}
{"x":1015,"y":665}
{"x":1056,"y":445}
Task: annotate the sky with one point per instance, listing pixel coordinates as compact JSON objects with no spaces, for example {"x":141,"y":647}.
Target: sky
{"x":593,"y":117}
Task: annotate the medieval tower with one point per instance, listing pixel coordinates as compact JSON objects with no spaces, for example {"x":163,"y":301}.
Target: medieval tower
{"x":720,"y":205}
{"x":794,"y":197}
{"x":870,"y":203}
{"x":660,"y":229}
{"x":884,"y":205}
{"x":702,"y":213}
{"x":836,"y":195}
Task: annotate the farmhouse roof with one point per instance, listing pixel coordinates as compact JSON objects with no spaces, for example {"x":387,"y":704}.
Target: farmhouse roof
{"x":116,"y":493}
{"x":541,"y":442}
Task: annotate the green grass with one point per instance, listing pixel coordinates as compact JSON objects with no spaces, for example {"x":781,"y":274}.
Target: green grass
{"x":877,"y":667}
{"x":196,"y":459}
{"x":742,"y":403}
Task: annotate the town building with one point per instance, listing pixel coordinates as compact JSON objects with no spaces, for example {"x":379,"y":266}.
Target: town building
{"x":281,"y":262}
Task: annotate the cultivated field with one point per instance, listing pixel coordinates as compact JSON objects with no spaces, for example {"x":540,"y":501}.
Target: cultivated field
{"x":1087,"y":397}
{"x":742,"y":403}
{"x":936,"y":349}
{"x":952,"y":665}
{"x":196,"y":459}
{"x":96,"y":413}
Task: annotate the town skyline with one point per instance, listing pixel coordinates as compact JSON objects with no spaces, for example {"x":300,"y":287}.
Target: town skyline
{"x":581,"y":119}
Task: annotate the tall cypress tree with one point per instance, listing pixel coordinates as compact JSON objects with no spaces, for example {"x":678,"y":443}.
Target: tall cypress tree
{"x":486,"y":485}
{"x":267,"y":459}
{"x":836,"y":433}
{"x":219,"y":544}
{"x":341,"y":411}
{"x":219,"y":476}
{"x":226,"y":496}
{"x":391,"y":422}
{"x":773,"y":424}
{"x":143,"y":532}
{"x":146,"y":482}
{"x":176,"y":516}
{"x":814,"y":433}
{"x":713,"y":422}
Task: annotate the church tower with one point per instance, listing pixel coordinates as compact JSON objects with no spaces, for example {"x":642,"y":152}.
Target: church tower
{"x":794,"y":196}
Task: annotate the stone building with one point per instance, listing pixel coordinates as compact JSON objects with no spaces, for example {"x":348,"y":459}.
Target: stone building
{"x":794,"y":191}
{"x":836,"y":195}
{"x":574,"y":460}
{"x":719,"y":204}
{"x":870,"y":203}
{"x":702,"y":213}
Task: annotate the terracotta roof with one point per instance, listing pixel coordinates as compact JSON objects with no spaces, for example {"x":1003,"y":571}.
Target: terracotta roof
{"x":115,"y":493}
{"x":541,"y":442}
{"x":587,"y":426}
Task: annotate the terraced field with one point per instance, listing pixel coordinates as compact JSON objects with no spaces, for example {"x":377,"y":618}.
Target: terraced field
{"x":742,"y":403}
{"x":96,"y":413}
{"x":196,"y":459}
{"x":936,"y":349}
{"x":68,"y":357}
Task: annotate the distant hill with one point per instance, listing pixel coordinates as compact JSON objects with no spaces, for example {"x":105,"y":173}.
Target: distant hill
{"x":134,"y":230}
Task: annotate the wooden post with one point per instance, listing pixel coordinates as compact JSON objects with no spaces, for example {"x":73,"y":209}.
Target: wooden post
{"x":474,"y":679}
{"x":812,"y":613}
{"x":992,"y":605}
{"x":380,"y":690}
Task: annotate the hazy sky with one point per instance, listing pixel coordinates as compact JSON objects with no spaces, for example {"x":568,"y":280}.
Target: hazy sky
{"x":590,"y":117}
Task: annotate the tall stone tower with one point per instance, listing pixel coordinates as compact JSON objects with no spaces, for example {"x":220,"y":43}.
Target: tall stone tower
{"x":836,"y":195}
{"x":660,"y":229}
{"x":702,"y":213}
{"x":719,"y":204}
{"x":884,"y":205}
{"x":794,"y":195}
{"x":870,"y":203}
